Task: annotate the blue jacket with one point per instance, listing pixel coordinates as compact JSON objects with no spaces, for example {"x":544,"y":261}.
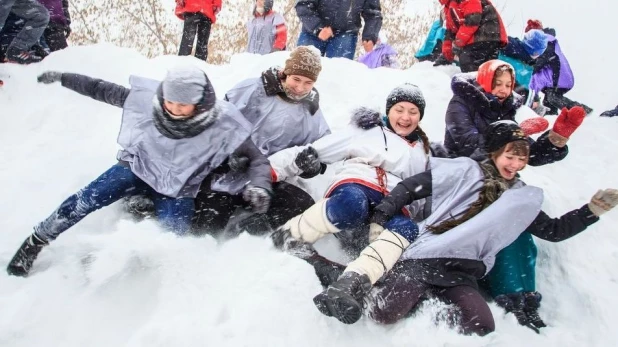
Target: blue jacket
{"x":436,"y":33}
{"x":343,"y":16}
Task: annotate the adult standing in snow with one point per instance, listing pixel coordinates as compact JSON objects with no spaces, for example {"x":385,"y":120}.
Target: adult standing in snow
{"x":474,"y":32}
{"x":36,"y":16}
{"x":266,"y":29}
{"x":59,"y":27}
{"x":199,"y":16}
{"x":376,"y":154}
{"x":173,"y":133}
{"x":553,"y":76}
{"x":458,"y":242}
{"x":379,"y":54}
{"x":284,"y":110}
{"x":333,"y":25}
{"x":487,"y":96}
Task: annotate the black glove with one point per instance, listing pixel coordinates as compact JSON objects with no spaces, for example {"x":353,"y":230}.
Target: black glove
{"x":258,"y":198}
{"x":307,"y":161}
{"x":238,"y":163}
{"x":67,"y":31}
{"x":49,"y":77}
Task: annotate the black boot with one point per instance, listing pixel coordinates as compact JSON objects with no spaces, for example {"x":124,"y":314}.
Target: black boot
{"x":514,"y":303}
{"x":344,"y":298}
{"x":327,"y":271}
{"x":532,"y":302}
{"x":22,"y":261}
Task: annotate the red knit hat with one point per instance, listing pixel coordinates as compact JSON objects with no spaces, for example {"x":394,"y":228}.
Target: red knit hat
{"x":534,"y":24}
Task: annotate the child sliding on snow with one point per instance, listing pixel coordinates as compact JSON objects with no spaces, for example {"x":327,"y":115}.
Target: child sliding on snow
{"x":458,"y":242}
{"x":173,"y":134}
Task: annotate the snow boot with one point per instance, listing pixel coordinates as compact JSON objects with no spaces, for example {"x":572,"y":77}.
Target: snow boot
{"x":14,"y":55}
{"x":610,"y":113}
{"x":22,"y":261}
{"x":327,"y":271}
{"x":514,"y":303}
{"x":344,"y":298}
{"x":532,"y":302}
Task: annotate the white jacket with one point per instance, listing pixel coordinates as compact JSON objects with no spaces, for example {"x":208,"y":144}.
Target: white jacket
{"x":364,"y":153}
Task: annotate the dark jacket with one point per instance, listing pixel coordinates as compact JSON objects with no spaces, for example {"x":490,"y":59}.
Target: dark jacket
{"x":515,"y":49}
{"x":469,"y":113}
{"x":116,"y":95}
{"x":342,"y":16}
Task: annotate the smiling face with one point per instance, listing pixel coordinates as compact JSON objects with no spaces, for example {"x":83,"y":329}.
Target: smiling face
{"x":404,"y":117}
{"x":179,"y":110}
{"x":502,"y":86}
{"x":511,"y":159}
{"x":297,"y":87}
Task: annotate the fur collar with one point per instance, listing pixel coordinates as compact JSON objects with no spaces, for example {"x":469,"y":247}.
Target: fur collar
{"x":271,"y":79}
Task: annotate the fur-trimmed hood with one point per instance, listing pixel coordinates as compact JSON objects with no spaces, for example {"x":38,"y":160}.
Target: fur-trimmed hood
{"x":467,"y":89}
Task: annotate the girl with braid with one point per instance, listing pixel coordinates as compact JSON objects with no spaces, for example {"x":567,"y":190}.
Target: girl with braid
{"x":477,"y":209}
{"x":377,"y":153}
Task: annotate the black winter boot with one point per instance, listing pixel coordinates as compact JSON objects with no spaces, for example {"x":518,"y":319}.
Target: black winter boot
{"x":514,"y":303}
{"x":532,"y":302}
{"x":22,"y":261}
{"x":344,"y":298}
{"x":327,"y":271}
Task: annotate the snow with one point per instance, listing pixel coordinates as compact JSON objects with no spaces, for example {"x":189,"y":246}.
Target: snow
{"x":112,"y":282}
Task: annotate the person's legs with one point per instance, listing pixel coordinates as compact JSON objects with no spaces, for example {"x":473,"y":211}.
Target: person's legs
{"x":5,"y":10}
{"x":203,"y":34}
{"x":394,"y":297}
{"x":188,"y":33}
{"x":307,"y":39}
{"x":112,"y":185}
{"x":555,"y":97}
{"x":476,"y":317}
{"x":175,"y":214}
{"x":55,"y":37}
{"x":36,"y":16}
{"x":514,"y":269}
{"x":343,"y":45}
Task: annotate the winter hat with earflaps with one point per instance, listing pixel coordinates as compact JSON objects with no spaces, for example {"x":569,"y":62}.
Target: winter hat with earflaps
{"x":304,"y":61}
{"x":501,"y":133}
{"x":406,"y":92}
{"x":535,"y":42}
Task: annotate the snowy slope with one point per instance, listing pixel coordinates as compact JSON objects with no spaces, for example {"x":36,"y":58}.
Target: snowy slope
{"x":111,"y":282}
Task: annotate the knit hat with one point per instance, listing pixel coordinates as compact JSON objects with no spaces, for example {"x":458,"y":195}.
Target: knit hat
{"x":533,"y":24}
{"x":501,"y":133}
{"x":304,"y":61}
{"x":184,"y":84}
{"x":535,"y":42}
{"x":406,"y":92}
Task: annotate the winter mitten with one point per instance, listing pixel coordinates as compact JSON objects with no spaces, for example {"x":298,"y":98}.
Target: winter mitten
{"x":569,"y":120}
{"x":603,"y":201}
{"x":259,"y":198}
{"x":238,"y":163}
{"x":534,"y":125}
{"x":49,"y":77}
{"x":447,"y":50}
{"x":307,"y":161}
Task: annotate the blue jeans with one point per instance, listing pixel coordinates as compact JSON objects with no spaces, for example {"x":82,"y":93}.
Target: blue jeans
{"x":349,"y":208}
{"x":342,"y":45}
{"x":114,"y":184}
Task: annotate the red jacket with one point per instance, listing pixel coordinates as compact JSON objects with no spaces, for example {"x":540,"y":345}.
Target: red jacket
{"x":470,"y":21}
{"x":206,"y":7}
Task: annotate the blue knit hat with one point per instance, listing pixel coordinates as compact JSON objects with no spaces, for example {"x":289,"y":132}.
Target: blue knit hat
{"x":535,"y":42}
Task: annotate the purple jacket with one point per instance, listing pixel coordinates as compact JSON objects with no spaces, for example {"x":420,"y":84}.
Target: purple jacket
{"x":552,"y":69}
{"x":382,"y":55}
{"x":58,"y":11}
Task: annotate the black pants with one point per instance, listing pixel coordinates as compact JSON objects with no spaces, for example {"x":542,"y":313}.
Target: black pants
{"x":55,"y":37}
{"x":214,"y":209}
{"x":195,"y":23}
{"x":401,"y":291}
{"x":555,"y":100}
{"x":473,"y":55}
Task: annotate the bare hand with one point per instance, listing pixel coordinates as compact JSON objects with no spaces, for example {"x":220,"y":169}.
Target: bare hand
{"x":325,"y":34}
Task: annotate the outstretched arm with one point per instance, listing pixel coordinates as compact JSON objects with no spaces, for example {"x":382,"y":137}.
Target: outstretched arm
{"x":559,"y":229}
{"x":97,"y":89}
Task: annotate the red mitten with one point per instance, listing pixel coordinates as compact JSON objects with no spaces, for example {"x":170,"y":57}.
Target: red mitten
{"x":534,"y":125}
{"x":447,"y":50}
{"x":569,"y":120}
